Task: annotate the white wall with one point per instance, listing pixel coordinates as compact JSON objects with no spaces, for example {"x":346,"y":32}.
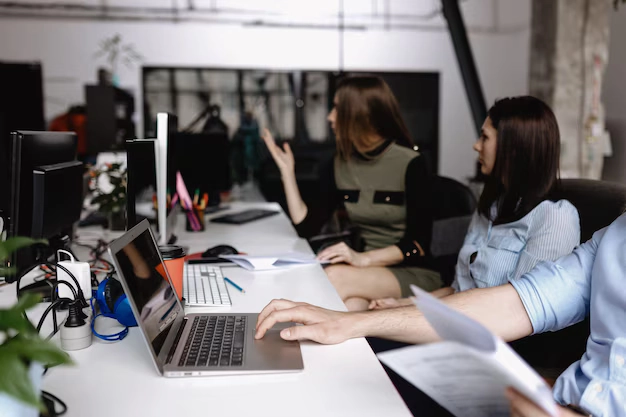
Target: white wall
{"x":499,"y":34}
{"x":614,"y":97}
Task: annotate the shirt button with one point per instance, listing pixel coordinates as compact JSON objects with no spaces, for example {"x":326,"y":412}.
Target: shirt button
{"x":408,"y":254}
{"x":345,"y":197}
{"x":387,"y":199}
{"x":619,"y":360}
{"x":414,"y":250}
{"x":597,"y":388}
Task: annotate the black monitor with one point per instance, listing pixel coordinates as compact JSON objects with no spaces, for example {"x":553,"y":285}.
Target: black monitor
{"x":203,"y":161}
{"x":21,"y":108}
{"x":57,"y":199}
{"x":141,"y":177}
{"x":30,"y":151}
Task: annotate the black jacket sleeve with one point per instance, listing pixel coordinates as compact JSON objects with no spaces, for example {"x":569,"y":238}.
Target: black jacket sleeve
{"x":419,"y":215}
{"x":321,"y":210}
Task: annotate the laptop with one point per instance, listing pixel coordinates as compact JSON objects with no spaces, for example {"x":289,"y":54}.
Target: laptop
{"x":193,"y":344}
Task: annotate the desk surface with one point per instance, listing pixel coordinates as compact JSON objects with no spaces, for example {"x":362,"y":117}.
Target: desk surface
{"x":340,"y":380}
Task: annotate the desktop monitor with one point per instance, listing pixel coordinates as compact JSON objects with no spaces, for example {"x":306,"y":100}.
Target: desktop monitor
{"x":21,"y":108}
{"x":204,"y":162}
{"x":167,"y":126}
{"x":57,"y":199}
{"x":30,"y":151}
{"x":141,"y":181}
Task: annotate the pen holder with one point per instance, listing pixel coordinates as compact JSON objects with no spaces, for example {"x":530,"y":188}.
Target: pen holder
{"x":198,"y":220}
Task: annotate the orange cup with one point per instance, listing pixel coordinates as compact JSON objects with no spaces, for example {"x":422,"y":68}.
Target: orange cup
{"x":174,"y":258}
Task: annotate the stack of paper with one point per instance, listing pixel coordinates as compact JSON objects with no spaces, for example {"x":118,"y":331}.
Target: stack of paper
{"x":469,"y":371}
{"x":271,"y":262}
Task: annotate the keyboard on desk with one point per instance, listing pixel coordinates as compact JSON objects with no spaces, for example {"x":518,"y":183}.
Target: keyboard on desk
{"x":215,"y":341}
{"x":204,"y":286}
{"x":244,"y":216}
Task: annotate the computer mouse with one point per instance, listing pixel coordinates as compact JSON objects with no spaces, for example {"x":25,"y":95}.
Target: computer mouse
{"x":218,"y":250}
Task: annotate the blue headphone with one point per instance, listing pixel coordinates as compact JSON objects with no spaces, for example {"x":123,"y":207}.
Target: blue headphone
{"x":114,"y":304}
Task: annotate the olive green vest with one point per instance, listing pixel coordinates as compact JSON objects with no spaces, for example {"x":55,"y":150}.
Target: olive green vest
{"x":373,"y":194}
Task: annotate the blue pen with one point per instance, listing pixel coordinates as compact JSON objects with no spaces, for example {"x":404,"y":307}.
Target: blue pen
{"x":234,"y":285}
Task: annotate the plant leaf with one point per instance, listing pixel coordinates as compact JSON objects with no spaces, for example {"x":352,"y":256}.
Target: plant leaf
{"x":13,"y":318}
{"x":35,"y":349}
{"x":18,"y":385}
{"x":29,"y":300}
{"x":7,"y":272}
{"x":12,"y":244}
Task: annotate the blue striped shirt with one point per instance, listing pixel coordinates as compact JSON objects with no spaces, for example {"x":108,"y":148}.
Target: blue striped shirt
{"x":504,"y":252}
{"x":590,"y":281}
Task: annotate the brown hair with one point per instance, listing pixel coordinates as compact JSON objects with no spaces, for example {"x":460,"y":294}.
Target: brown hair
{"x":527,"y":158}
{"x":366,"y":106}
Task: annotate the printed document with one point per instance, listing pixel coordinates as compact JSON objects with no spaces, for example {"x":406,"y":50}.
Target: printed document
{"x":272,"y":262}
{"x":467,"y":373}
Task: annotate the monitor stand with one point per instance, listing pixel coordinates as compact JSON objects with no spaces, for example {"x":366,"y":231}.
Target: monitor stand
{"x":45,"y":287}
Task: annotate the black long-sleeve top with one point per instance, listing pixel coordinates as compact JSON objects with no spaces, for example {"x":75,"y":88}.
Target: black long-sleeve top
{"x":416,"y":197}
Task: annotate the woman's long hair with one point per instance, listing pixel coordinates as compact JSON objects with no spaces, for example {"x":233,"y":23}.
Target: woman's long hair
{"x":366,"y":106}
{"x":527,"y":158}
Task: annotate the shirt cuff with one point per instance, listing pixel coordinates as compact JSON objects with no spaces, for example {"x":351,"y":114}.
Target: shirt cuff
{"x":531,"y":300}
{"x":412,"y":253}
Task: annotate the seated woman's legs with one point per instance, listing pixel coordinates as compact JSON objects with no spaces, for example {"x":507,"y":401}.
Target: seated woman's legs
{"x":358,"y":286}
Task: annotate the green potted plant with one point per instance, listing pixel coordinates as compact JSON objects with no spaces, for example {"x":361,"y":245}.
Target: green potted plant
{"x":108,"y":183}
{"x":23,"y":353}
{"x":114,"y":51}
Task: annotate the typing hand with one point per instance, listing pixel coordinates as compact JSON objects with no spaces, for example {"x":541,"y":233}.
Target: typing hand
{"x":320,"y":325}
{"x":523,"y":407}
{"x":343,"y":253}
{"x":283,"y":157}
{"x":384,"y":303}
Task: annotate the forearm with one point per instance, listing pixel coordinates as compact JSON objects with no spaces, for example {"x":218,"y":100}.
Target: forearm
{"x":499,"y":309}
{"x":442,"y":292}
{"x":297,"y":208}
{"x":390,"y":255}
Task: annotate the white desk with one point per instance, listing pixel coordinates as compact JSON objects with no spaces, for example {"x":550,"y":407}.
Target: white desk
{"x":341,"y":380}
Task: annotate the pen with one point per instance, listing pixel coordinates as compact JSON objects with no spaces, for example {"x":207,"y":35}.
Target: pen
{"x":234,"y":285}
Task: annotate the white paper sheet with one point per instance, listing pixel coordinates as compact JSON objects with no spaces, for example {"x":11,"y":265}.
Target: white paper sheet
{"x":469,"y":371}
{"x":271,"y":262}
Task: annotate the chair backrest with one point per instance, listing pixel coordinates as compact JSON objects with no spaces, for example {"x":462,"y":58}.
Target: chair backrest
{"x":454,"y":204}
{"x":451,"y":198}
{"x":598,"y":202}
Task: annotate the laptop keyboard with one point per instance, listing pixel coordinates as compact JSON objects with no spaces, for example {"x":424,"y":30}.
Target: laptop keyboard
{"x":204,"y":285}
{"x":215,"y":341}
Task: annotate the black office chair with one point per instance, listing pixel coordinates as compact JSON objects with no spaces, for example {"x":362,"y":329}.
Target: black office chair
{"x":598,"y":204}
{"x":454,"y":203}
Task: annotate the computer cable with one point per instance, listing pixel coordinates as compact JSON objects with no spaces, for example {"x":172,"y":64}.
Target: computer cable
{"x":81,"y":296}
{"x":54,"y":292}
{"x":50,"y":402}
{"x":52,"y":305}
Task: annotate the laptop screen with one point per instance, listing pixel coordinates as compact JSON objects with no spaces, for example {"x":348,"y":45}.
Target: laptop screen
{"x":149,"y":287}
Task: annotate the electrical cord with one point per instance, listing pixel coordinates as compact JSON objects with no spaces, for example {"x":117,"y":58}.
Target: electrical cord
{"x":52,"y":305}
{"x":81,"y":296}
{"x":50,"y":401}
{"x":56,"y":285}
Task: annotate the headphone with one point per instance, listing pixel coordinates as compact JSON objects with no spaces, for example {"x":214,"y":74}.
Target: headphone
{"x":114,"y":304}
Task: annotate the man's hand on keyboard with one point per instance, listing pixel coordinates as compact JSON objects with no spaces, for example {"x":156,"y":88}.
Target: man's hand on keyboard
{"x":319,"y":324}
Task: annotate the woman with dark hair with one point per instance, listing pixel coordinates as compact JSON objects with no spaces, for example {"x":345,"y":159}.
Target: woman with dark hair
{"x":382,"y":182}
{"x":517,"y":224}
